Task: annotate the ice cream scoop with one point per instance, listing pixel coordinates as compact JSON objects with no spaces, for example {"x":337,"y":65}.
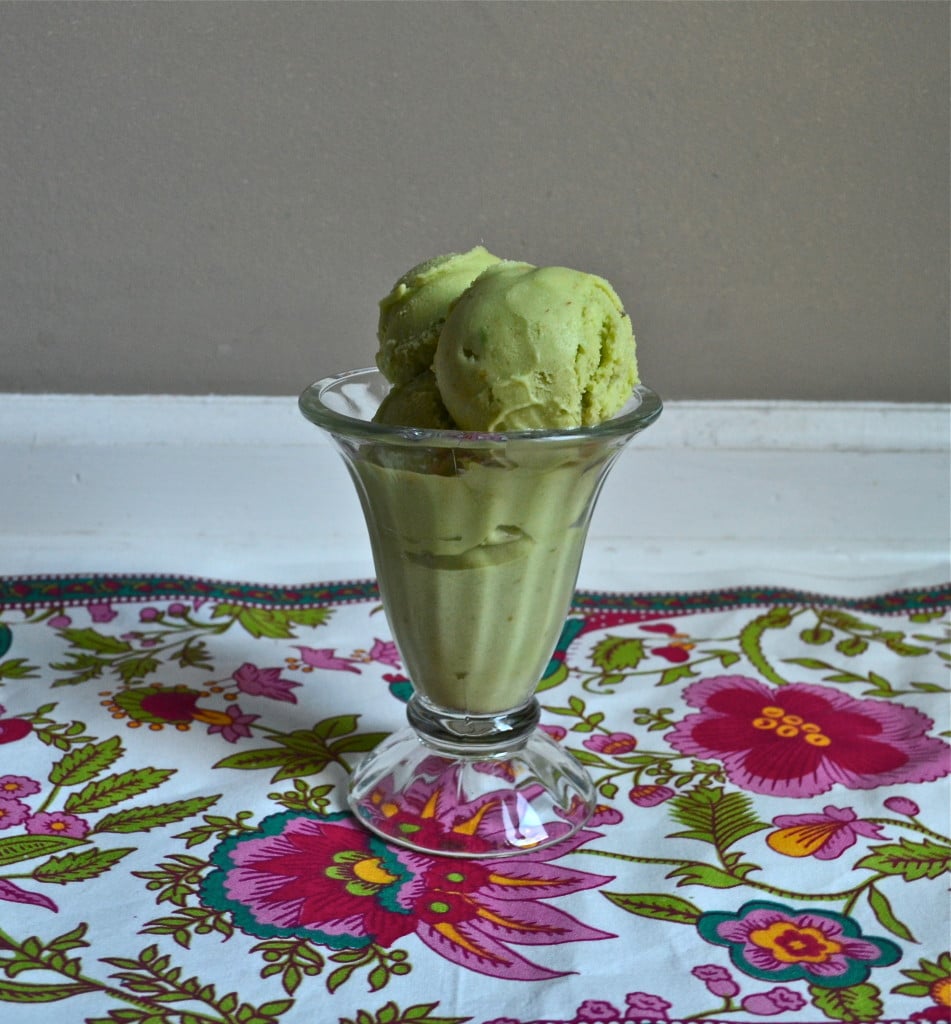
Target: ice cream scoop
{"x":526,"y":348}
{"x":412,"y":314}
{"x":415,"y":404}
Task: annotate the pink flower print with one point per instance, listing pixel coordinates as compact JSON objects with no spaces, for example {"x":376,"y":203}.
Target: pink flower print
{"x":177,"y":610}
{"x":322,"y":658}
{"x":385,"y":652}
{"x":101,"y":611}
{"x":57,"y":823}
{"x":149,"y":614}
{"x":595,"y":1010}
{"x":264,"y":682}
{"x":643,"y":1007}
{"x":801,"y":739}
{"x":12,"y":812}
{"x":328,"y":879}
{"x":557,"y":732}
{"x":238,"y":724}
{"x":776,"y":1000}
{"x":604,"y":815}
{"x":613,"y":743}
{"x":718,"y":980}
{"x":902,"y":805}
{"x":650,"y":795}
{"x":677,"y":651}
{"x":18,"y":786}
{"x":824,"y":836}
{"x":776,"y":943}
{"x":59,"y":622}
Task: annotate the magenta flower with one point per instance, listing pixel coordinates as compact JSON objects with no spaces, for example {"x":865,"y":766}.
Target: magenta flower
{"x":264,"y":682}
{"x":776,"y":943}
{"x":902,"y":805}
{"x":385,"y":652}
{"x":325,"y":658}
{"x":238,"y":726}
{"x":650,"y":795}
{"x":824,"y":836}
{"x":595,"y":1010}
{"x":101,"y":611}
{"x":329,"y":880}
{"x":12,"y":729}
{"x":18,"y":786}
{"x":57,"y":823}
{"x":59,"y":622}
{"x":12,"y":812}
{"x":776,"y":1000}
{"x":613,"y":743}
{"x":718,"y":980}
{"x":149,"y":614}
{"x":557,"y":732}
{"x":603,"y":814}
{"x":800,"y":740}
{"x":643,"y":1007}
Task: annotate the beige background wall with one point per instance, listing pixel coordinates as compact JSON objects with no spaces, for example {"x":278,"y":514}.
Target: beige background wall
{"x":210,"y":197}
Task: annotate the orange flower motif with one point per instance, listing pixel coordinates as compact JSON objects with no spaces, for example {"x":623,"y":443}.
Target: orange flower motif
{"x":824,"y":836}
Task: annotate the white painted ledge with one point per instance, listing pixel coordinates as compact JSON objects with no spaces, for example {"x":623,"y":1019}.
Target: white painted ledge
{"x":843,"y":498}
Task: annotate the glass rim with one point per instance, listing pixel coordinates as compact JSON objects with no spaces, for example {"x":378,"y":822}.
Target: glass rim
{"x":640,"y":411}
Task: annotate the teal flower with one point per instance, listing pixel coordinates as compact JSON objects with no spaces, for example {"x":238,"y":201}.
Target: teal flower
{"x":776,"y":943}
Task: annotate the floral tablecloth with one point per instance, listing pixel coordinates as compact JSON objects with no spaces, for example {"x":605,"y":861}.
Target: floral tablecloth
{"x":772,"y":838}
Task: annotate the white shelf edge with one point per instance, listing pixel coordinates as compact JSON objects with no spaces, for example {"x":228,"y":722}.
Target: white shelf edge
{"x":252,"y":420}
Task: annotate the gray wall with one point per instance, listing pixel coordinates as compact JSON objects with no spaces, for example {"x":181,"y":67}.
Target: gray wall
{"x":210,"y":197}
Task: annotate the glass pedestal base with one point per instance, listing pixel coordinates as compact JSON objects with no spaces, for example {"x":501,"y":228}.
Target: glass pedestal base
{"x":471,"y":786}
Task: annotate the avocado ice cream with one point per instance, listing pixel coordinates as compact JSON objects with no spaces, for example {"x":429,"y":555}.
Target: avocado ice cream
{"x":477,"y":543}
{"x":412,"y":314}
{"x":535,"y":348}
{"x":415,"y":404}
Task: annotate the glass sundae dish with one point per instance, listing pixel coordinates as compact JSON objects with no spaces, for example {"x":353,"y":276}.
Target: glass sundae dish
{"x":478,"y":450}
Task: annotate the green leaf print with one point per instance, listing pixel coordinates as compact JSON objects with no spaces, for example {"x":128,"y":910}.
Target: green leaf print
{"x":659,"y":906}
{"x":99,"y":643}
{"x":14,"y":849}
{"x":715,"y":816}
{"x":86,"y":762}
{"x":911,"y":860}
{"x":273,"y":623}
{"x":145,"y":818}
{"x":855,"y":1004}
{"x":751,"y":639}
{"x":79,"y":866}
{"x":617,"y":653}
{"x":22,"y":992}
{"x":113,"y":789}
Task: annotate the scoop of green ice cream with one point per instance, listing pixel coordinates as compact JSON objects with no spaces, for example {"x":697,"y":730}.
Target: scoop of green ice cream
{"x":415,"y":404}
{"x":527,"y":348}
{"x":412,"y":315}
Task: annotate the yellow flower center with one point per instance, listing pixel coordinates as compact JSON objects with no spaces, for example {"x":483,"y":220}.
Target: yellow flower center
{"x":941,"y":992}
{"x":787,"y":727}
{"x":371,"y":870}
{"x":793,"y":945}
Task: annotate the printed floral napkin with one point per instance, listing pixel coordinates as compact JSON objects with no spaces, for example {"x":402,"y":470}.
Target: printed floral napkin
{"x":771,"y":842}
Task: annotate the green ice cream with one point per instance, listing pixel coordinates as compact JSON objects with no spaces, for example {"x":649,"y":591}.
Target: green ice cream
{"x":527,"y":348}
{"x":476,"y":554}
{"x":412,"y":315}
{"x":477,"y":545}
{"x":415,"y":404}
